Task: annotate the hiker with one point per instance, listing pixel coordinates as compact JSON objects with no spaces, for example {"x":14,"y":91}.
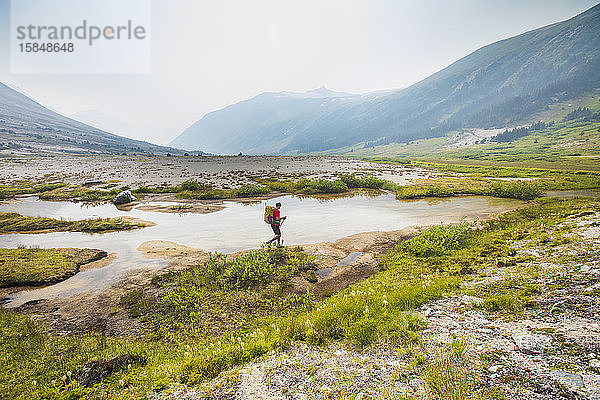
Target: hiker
{"x":275,"y":222}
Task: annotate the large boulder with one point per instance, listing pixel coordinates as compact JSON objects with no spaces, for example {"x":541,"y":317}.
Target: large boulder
{"x":124,"y":198}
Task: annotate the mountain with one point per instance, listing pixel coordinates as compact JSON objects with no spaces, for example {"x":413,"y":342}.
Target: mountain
{"x":494,"y":86}
{"x":26,"y":125}
{"x":264,"y":124}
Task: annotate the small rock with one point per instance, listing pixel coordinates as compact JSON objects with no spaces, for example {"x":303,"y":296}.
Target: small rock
{"x":95,"y":371}
{"x":530,"y":343}
{"x":124,"y":198}
{"x":595,"y":364}
{"x":92,"y":182}
{"x":471,"y":300}
{"x":416,"y":382}
{"x":591,"y":289}
{"x":495,"y":368}
{"x":573,"y":381}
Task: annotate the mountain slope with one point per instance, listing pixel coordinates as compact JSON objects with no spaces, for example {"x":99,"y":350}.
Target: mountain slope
{"x":27,"y":125}
{"x":493,"y":86}
{"x":264,"y":123}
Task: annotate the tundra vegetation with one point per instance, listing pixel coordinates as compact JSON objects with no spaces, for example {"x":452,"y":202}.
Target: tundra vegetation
{"x":220,"y":314}
{"x":14,"y":223}
{"x":34,"y":266}
{"x":451,"y":185}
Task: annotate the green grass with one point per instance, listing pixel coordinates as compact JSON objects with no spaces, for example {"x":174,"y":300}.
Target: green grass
{"x":449,"y":374}
{"x":301,"y":186}
{"x":13,"y":222}
{"x":210,"y":298}
{"x":325,"y":186}
{"x":380,"y":309}
{"x":59,"y":191}
{"x":248,"y":190}
{"x":84,"y":194}
{"x":19,"y":267}
{"x":366,"y":182}
{"x":515,"y":190}
{"x":526,"y":183}
{"x":19,"y":187}
{"x":474,"y":185}
{"x":34,"y":266}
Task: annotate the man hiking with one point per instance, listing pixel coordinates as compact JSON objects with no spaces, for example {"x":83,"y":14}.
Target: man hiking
{"x":276,"y":224}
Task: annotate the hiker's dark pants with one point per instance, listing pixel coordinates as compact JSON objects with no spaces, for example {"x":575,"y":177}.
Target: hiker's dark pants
{"x":276,"y":229}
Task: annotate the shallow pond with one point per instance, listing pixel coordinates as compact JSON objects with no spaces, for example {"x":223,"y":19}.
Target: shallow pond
{"x":238,"y":226}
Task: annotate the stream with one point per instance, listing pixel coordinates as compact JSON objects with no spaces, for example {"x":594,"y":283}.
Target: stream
{"x":238,"y":226}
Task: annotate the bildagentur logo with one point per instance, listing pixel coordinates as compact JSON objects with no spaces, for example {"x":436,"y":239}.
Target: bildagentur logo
{"x":74,"y":36}
{"x":85,"y":31}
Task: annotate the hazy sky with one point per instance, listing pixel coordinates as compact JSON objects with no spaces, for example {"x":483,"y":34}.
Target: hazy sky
{"x":208,"y":54}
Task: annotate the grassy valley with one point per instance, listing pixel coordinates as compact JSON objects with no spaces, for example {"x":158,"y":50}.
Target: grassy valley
{"x":384,"y":313}
{"x":566,"y":144}
{"x":376,"y":299}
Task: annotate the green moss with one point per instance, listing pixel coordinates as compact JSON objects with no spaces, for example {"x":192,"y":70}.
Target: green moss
{"x":20,"y":267}
{"x":13,"y":222}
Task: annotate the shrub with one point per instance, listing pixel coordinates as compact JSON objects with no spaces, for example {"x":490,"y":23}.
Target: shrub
{"x":438,"y":240}
{"x":249,"y":270}
{"x":321,"y":186}
{"x":279,"y":186}
{"x":412,"y":192}
{"x":367,"y":182}
{"x":515,"y":189}
{"x":189,"y":185}
{"x":143,"y":190}
{"x":250,"y":190}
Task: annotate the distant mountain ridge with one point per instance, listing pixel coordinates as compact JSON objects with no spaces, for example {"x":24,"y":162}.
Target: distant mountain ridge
{"x":27,"y":125}
{"x":494,"y":86}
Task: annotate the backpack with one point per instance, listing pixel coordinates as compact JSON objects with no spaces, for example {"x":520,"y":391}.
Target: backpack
{"x":269,"y":215}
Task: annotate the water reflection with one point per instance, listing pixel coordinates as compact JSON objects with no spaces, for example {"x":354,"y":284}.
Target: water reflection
{"x":329,"y":197}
